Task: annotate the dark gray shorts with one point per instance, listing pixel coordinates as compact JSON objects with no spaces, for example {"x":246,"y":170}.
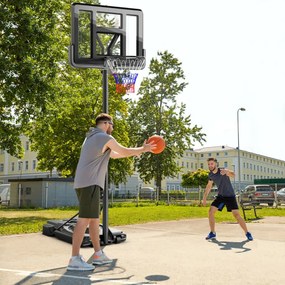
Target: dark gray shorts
{"x":89,"y":201}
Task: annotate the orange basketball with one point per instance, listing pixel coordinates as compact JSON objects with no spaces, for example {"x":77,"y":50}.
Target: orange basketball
{"x":159,"y":141}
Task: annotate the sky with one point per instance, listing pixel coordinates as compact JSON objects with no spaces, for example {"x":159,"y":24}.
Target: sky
{"x":233,"y":56}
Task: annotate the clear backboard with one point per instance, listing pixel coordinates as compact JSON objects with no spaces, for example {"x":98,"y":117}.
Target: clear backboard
{"x":103,"y":32}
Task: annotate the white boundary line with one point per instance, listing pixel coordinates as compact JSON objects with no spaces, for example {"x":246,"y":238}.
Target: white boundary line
{"x":49,"y":275}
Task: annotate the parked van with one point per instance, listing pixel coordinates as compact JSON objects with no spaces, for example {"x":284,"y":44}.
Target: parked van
{"x":147,"y":193}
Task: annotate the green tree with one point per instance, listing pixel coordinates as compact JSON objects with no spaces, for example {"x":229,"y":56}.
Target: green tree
{"x":198,"y":178}
{"x":157,"y":112}
{"x":34,"y":40}
{"x":29,"y":57}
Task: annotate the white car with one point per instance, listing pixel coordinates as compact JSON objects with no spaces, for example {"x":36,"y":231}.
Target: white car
{"x":281,"y":195}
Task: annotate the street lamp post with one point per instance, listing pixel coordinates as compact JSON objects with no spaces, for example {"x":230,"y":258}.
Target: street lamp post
{"x":240,"y":109}
{"x":20,"y":168}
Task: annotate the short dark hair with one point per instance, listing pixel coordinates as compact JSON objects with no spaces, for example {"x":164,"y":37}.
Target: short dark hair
{"x":103,"y":117}
{"x":212,"y":159}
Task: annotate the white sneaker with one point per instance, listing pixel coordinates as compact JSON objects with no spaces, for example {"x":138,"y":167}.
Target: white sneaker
{"x":77,"y":263}
{"x":102,"y":259}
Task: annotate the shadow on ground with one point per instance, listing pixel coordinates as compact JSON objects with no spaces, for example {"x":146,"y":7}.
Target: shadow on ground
{"x":230,"y":245}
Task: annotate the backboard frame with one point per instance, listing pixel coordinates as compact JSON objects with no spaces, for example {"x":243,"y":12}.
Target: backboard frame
{"x":97,"y":52}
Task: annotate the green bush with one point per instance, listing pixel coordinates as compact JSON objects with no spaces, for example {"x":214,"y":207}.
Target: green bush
{"x":173,"y":194}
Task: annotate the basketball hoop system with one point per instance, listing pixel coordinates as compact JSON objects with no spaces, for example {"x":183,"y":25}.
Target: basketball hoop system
{"x":121,"y":68}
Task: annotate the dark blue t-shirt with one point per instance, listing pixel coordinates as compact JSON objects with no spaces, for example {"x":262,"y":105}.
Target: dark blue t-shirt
{"x":223,"y":183}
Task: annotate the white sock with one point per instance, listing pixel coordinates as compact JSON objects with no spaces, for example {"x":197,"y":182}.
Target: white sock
{"x":98,"y":253}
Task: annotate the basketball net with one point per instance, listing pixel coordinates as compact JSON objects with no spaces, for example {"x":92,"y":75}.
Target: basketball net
{"x":121,"y":68}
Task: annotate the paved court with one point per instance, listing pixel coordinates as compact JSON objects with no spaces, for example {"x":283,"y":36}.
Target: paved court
{"x":173,"y":252}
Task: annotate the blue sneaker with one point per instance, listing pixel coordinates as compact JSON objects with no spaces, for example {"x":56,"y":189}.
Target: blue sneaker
{"x":211,"y":235}
{"x":249,"y":236}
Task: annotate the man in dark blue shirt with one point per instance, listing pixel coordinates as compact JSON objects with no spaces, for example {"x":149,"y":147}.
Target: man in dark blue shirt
{"x":226,"y":197}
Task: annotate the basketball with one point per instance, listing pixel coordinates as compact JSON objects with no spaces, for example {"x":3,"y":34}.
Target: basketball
{"x":159,"y":141}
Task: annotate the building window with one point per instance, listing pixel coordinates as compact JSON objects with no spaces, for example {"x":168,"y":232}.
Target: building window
{"x":27,"y":145}
{"x":209,"y":154}
{"x":202,"y":165}
{"x":1,"y":167}
{"x":217,"y":154}
{"x":13,"y":166}
{"x":225,"y":164}
{"x":20,"y":163}
{"x":26,"y":165}
{"x":202,"y":155}
{"x":28,"y":190}
{"x":226,"y":153}
{"x":34,"y":164}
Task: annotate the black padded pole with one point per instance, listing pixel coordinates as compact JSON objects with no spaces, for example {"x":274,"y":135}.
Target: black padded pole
{"x":106,"y":190}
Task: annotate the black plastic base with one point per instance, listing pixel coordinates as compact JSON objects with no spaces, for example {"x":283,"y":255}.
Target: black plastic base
{"x":63,"y":230}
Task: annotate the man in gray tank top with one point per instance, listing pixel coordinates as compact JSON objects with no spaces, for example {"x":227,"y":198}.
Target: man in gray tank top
{"x":89,"y":180}
{"x":226,"y":197}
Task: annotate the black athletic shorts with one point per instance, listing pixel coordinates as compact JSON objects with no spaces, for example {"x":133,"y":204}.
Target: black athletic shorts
{"x":89,"y":201}
{"x":230,"y":202}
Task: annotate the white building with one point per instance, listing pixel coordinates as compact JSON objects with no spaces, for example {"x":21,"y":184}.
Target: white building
{"x":252,"y":166}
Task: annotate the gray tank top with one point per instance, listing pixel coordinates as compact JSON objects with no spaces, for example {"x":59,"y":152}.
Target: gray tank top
{"x":223,"y":183}
{"x":93,"y":164}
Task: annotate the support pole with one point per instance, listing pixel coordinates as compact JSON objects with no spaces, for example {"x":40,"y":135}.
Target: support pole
{"x":106,"y":189}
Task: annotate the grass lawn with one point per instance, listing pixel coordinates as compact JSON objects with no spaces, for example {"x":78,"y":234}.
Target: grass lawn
{"x":18,"y":221}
